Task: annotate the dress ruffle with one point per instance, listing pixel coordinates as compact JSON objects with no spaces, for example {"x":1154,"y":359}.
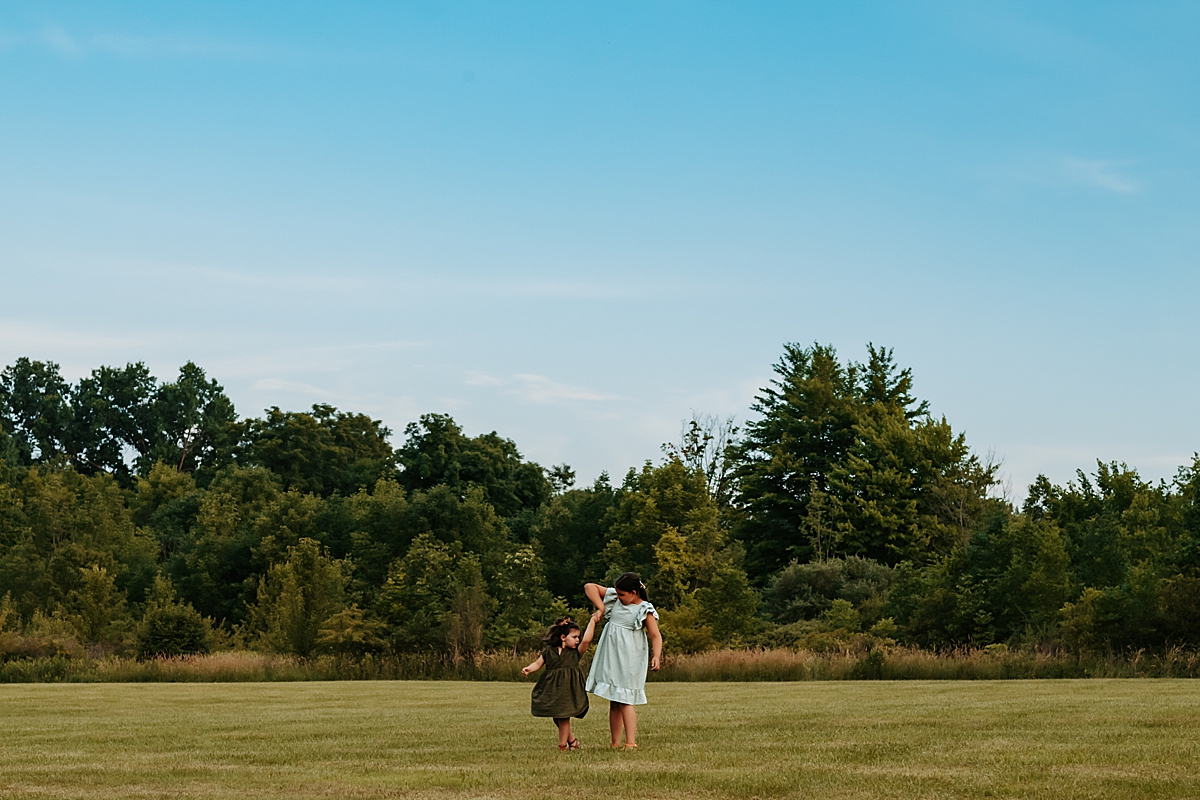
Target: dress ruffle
{"x":618,"y":694}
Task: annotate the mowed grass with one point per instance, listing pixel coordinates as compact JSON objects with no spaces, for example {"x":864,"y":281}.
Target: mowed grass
{"x":1020,"y":739}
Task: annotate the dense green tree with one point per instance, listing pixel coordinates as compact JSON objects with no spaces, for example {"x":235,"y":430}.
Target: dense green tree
{"x":466,"y":520}
{"x":288,"y":518}
{"x":806,"y":591}
{"x":1131,"y":548}
{"x":436,"y":453}
{"x":859,"y":511}
{"x":96,"y":608}
{"x":664,"y":524}
{"x":196,"y":424}
{"x":350,"y":632}
{"x":570,"y":533}
{"x":170,"y":627}
{"x":434,"y":599}
{"x":297,"y":597}
{"x":166,"y":503}
{"x":113,"y":409}
{"x":319,"y":452}
{"x":54,"y":523}
{"x":1010,"y":581}
{"x":523,"y":600}
{"x":378,"y":533}
{"x":907,"y":490}
{"x":1111,"y":522}
{"x":806,"y":427}
{"x":890,"y":483}
{"x":650,"y":502}
{"x":112,"y":413}
{"x":35,"y":410}
{"x":216,"y":567}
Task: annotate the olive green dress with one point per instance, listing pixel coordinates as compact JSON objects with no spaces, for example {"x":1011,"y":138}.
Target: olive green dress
{"x":559,"y":693}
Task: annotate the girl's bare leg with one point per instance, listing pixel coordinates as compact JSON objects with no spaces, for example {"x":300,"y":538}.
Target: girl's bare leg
{"x":564,"y":731}
{"x":629,"y":717}
{"x":615,"y":721}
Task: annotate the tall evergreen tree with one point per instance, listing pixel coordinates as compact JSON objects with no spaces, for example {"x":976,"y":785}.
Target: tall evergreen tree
{"x":806,"y":428}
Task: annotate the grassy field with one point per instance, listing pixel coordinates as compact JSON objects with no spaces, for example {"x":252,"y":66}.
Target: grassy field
{"x":1020,"y":739}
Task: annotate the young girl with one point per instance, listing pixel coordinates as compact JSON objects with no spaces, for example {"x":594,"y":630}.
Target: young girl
{"x":618,"y":671}
{"x":559,"y":693}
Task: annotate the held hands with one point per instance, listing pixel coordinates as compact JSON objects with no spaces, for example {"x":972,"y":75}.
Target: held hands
{"x":597,"y":615}
{"x":525,"y":672}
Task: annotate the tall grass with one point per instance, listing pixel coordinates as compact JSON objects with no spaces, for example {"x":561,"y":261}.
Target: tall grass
{"x":896,"y":663}
{"x":247,"y":666}
{"x":903,"y":663}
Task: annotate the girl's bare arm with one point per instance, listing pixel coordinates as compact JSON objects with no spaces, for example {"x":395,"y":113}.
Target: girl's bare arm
{"x":534,"y":667}
{"x":589,"y":632}
{"x":595,"y":592}
{"x":655,"y":641}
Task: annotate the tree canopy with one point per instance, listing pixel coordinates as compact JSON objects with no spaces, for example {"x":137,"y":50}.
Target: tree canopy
{"x":146,"y":517}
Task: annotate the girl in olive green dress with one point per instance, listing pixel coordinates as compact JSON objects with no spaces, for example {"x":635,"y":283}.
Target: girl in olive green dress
{"x":559,"y":693}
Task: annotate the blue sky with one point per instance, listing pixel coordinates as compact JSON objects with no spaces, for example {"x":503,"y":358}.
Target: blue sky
{"x":577,"y":223}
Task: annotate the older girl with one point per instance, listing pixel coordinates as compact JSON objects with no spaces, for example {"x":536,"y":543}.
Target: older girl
{"x":618,"y":672}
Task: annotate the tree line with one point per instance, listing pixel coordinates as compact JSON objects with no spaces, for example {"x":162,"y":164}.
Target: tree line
{"x":140,"y":516}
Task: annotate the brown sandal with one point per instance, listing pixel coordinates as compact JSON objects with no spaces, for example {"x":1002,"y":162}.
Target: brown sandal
{"x":573,"y":744}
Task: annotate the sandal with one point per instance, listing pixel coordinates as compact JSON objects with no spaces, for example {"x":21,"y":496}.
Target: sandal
{"x":573,"y":744}
{"x":629,"y":748}
{"x":564,"y":747}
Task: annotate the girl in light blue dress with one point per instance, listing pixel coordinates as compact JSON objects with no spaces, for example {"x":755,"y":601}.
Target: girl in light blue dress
{"x":618,"y":672}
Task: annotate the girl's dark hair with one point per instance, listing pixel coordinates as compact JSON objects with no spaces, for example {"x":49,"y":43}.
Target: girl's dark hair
{"x":632,"y":582}
{"x":558,"y":631}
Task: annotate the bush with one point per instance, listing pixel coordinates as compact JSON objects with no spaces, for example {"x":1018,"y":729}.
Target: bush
{"x":684,"y":631}
{"x":869,"y":667}
{"x":806,"y":591}
{"x":169,"y":627}
{"x":43,"y":638}
{"x":349,"y":633}
{"x":173,"y":630}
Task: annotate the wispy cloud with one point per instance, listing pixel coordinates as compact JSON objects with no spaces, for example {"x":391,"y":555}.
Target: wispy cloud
{"x":31,"y":339}
{"x":296,"y":387}
{"x":1062,"y":171}
{"x":482,"y":379}
{"x":298,"y":282}
{"x":1100,"y":174}
{"x":1001,"y":28}
{"x":540,"y":389}
{"x":413,"y":281}
{"x":537,"y":388}
{"x":58,"y":41}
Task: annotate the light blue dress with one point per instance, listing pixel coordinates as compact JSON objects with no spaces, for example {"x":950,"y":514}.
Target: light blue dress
{"x":618,"y":670}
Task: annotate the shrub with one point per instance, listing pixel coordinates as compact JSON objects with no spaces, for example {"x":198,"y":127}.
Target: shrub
{"x":684,"y":631}
{"x":349,"y":633}
{"x":173,"y":630}
{"x":295,"y":598}
{"x":43,"y":638}
{"x":806,"y":591}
